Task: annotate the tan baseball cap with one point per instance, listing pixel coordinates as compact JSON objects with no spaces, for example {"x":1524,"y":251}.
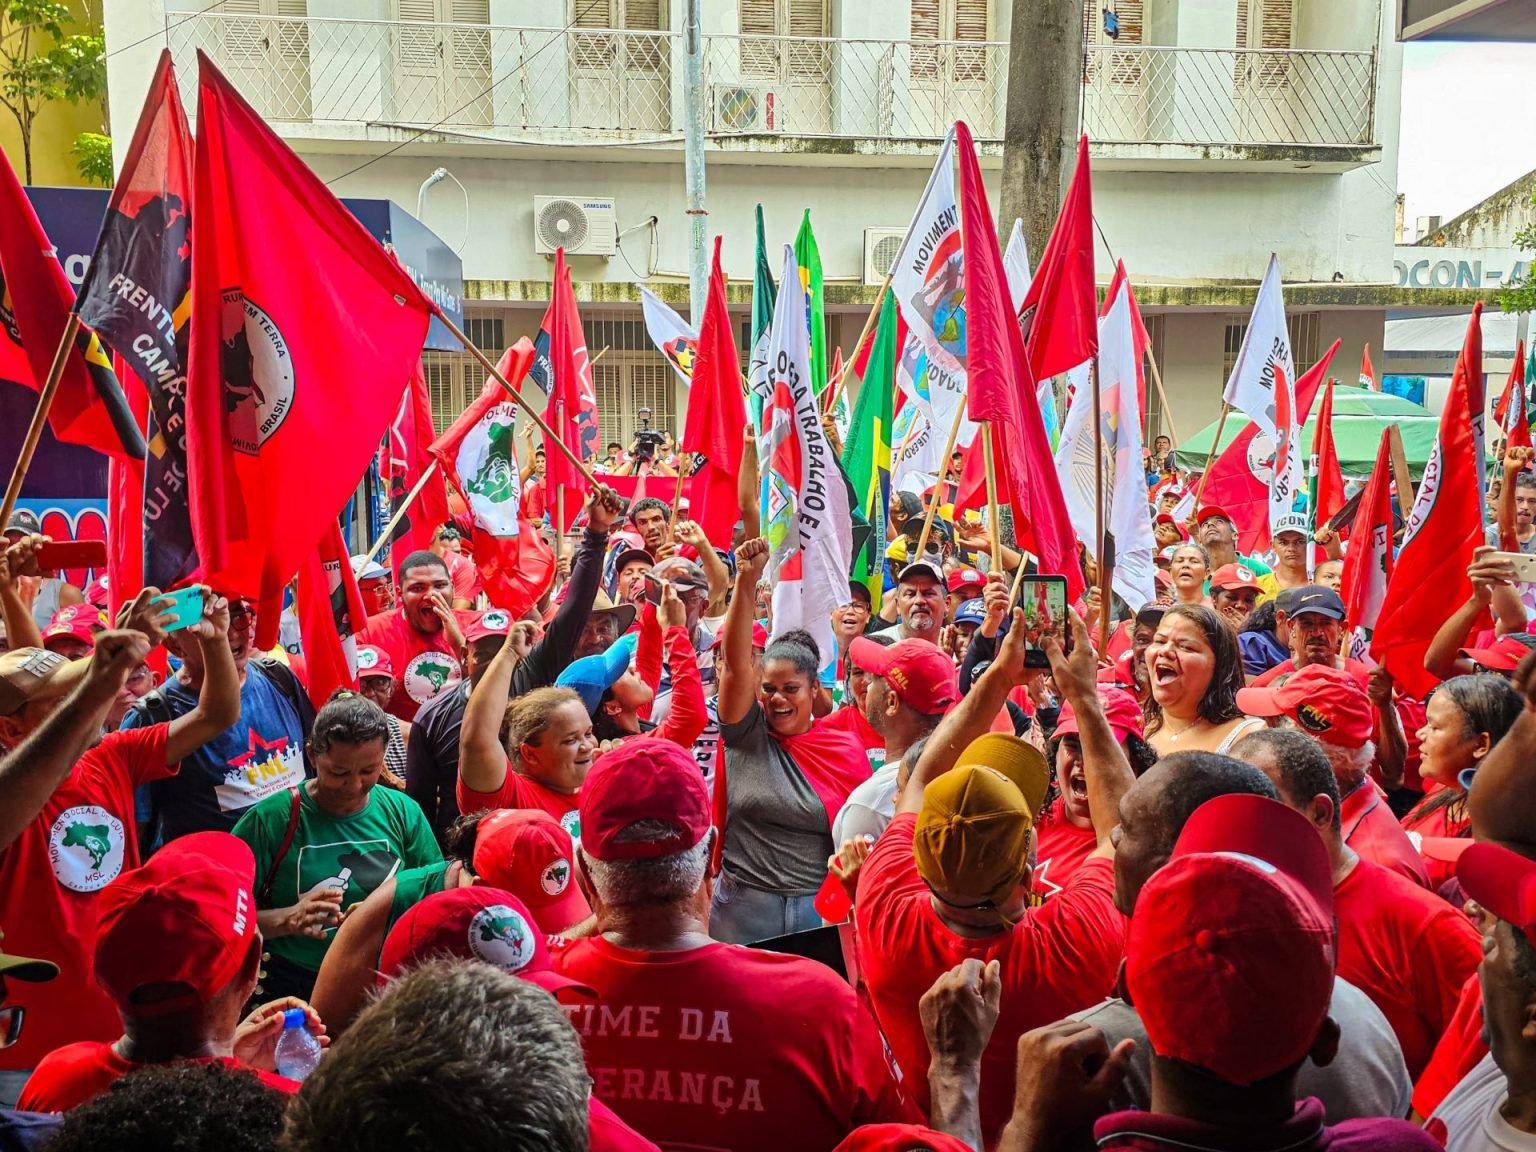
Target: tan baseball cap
{"x":28,"y":674}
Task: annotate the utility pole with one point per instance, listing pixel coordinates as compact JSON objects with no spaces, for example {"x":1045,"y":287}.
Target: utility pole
{"x":1045,"y":87}
{"x":693,"y":159}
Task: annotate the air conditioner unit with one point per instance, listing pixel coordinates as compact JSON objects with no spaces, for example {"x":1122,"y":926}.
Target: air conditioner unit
{"x":744,"y":108}
{"x":582,"y":225}
{"x":881,"y":246}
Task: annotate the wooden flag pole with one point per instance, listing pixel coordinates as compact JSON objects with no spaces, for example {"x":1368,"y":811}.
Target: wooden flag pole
{"x":933,"y":503}
{"x":485,"y":362}
{"x":994,"y":517}
{"x":683,"y":460}
{"x":40,"y":417}
{"x":1402,"y":479}
{"x":836,"y":386}
{"x":405,"y":506}
{"x":1162,"y":396}
{"x":1098,"y":507}
{"x":560,"y":522}
{"x":1221,"y":423}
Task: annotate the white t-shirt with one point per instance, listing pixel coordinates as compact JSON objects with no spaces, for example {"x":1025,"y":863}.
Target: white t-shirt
{"x":868,"y":809}
{"x":1471,"y":1114}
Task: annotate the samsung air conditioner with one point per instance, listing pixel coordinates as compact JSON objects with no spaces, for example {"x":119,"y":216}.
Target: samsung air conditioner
{"x":881,"y":247}
{"x":582,"y":225}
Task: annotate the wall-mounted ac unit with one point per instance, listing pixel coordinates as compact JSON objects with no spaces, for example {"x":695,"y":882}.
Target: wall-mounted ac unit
{"x":881,"y":246}
{"x":743,"y":108}
{"x":582,"y":225}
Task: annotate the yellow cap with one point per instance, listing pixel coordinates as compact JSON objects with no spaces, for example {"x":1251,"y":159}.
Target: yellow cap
{"x":972,"y":838}
{"x":1017,"y":759}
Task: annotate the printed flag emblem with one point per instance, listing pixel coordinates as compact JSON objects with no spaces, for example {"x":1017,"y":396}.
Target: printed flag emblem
{"x":258,"y":373}
{"x":499,"y":936}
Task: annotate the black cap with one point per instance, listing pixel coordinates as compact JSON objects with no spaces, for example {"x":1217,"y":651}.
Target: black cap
{"x":1313,"y":598}
{"x":23,"y":521}
{"x":860,"y":591}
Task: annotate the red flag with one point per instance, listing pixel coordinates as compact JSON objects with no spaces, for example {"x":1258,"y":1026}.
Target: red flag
{"x":478,"y":455}
{"x":1060,"y":311}
{"x":125,"y":511}
{"x":409,"y":456}
{"x":304,"y":335}
{"x":1445,"y":525}
{"x":1232,"y":484}
{"x":331,"y":614}
{"x":1510,"y":411}
{"x":717,"y":414}
{"x":572,"y":411}
{"x":1328,"y":479}
{"x":1368,"y":373}
{"x":1001,"y":384}
{"x":89,"y":407}
{"x":1368,"y":563}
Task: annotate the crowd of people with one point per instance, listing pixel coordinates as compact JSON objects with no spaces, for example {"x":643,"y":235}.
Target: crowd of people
{"x":639,"y":869}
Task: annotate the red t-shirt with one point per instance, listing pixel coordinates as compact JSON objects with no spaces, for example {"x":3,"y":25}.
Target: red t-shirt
{"x":534,"y":502}
{"x":1372,"y":830}
{"x":70,"y":1076}
{"x":425,"y":666}
{"x":1408,"y":950}
{"x":726,"y":1047}
{"x":1062,"y":849}
{"x":1361,"y":672}
{"x":1437,"y":824}
{"x":1460,"y":1050}
{"x":519,"y":791}
{"x":1062,"y":957}
{"x":849,"y":719}
{"x":465,"y":577}
{"x":83,"y":839}
{"x":607,"y":1133}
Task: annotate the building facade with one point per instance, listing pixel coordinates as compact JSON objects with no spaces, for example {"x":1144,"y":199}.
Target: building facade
{"x":1221,"y":130}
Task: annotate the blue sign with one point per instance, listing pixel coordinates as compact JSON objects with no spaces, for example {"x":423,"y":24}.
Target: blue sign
{"x":435,"y":267}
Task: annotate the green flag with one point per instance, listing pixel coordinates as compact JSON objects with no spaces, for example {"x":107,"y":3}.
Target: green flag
{"x":808,"y":256}
{"x":763,"y":296}
{"x":867,"y":453}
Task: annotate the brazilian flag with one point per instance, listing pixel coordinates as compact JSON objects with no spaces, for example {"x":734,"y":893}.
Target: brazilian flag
{"x":867,"y":453}
{"x":808,"y":256}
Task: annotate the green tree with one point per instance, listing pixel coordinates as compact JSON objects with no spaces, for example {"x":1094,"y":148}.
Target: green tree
{"x":40,"y":62}
{"x":1520,"y":295}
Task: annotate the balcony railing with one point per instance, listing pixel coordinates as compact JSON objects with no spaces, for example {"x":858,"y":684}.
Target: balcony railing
{"x":545,"y":85}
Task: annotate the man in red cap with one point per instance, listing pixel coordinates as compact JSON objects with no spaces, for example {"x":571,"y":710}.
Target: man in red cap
{"x":964,"y":584}
{"x":951,"y":878}
{"x":1229,"y":959}
{"x":178,"y":951}
{"x":1066,"y":833}
{"x":911,"y":686}
{"x":1401,"y":945}
{"x":1234,"y":592}
{"x":1330,"y":706}
{"x":694,"y":1042}
{"x":1491,"y":1107}
{"x":67,"y":822}
{"x":72,"y":631}
{"x":1214,"y":530}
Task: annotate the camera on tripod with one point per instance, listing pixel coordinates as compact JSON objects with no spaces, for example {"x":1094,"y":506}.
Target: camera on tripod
{"x":647,"y":440}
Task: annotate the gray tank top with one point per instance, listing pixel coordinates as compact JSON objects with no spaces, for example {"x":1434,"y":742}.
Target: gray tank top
{"x":47,"y":602}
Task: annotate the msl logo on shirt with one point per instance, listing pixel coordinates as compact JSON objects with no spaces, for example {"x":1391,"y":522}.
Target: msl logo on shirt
{"x":428,"y":674}
{"x":85,"y":848}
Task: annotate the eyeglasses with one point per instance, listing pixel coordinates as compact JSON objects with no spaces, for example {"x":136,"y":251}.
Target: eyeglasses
{"x":241,"y":611}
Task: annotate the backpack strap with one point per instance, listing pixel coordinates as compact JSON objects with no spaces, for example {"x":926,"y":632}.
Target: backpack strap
{"x":286,"y":682}
{"x":264,"y":893}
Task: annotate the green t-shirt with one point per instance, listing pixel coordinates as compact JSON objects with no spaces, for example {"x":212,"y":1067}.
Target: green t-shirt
{"x":412,"y":886}
{"x":355,"y":853}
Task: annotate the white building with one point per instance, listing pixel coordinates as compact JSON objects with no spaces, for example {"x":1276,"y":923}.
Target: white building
{"x":1221,"y":129}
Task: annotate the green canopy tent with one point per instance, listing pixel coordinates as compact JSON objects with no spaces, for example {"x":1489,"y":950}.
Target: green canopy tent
{"x":1359,"y":416}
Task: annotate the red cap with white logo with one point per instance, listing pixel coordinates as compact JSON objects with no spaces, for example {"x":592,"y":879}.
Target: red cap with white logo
{"x":527,"y":852}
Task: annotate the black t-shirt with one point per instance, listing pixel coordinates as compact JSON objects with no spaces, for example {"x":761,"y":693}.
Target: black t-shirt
{"x":432,"y":757}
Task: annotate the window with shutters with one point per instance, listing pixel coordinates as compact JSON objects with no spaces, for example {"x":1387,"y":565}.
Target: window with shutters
{"x":941,"y":29}
{"x":773,"y":47}
{"x":264,"y":49}
{"x":619,"y":63}
{"x":630,"y":376}
{"x":1101,"y":61}
{"x":1268,"y":25}
{"x":1302,"y":328}
{"x":442,"y":61}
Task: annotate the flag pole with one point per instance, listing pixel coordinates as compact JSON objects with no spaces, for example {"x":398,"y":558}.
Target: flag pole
{"x":836,"y":389}
{"x":993,"y":516}
{"x":933,"y":504}
{"x":40,"y":416}
{"x":677,"y":492}
{"x":1098,"y":506}
{"x":1211,"y":455}
{"x":490,"y":368}
{"x":1401,"y":479}
{"x":1157,"y":378}
{"x":405,"y":506}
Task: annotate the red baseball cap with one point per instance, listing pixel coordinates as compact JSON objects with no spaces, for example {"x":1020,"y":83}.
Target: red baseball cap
{"x":923,"y":678}
{"x":966,"y":578}
{"x":491,"y":622}
{"x":1326,"y":703}
{"x":759,"y":637}
{"x":643,"y":779}
{"x":528,"y":853}
{"x":1266,"y":830}
{"x":1230,"y":577}
{"x":187,"y":916}
{"x":1503,"y":655}
{"x":373,"y":661}
{"x":1503,"y":882}
{"x":900,"y":1138}
{"x":1230,"y":963}
{"x":1120,"y":709}
{"x":76,"y":621}
{"x":474,"y":923}
{"x":1211,"y":512}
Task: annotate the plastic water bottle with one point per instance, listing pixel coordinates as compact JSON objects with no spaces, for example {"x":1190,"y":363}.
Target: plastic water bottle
{"x":297,"y":1051}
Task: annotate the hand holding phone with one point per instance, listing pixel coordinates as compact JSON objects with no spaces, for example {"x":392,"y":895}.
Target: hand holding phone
{"x":184,"y":606}
{"x":1043,"y":600}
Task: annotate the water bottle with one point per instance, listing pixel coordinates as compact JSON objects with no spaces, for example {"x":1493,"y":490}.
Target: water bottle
{"x":297,"y":1051}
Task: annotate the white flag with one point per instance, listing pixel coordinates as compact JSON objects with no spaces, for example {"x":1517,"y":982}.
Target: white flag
{"x":809,"y":530}
{"x":1016,"y":266}
{"x":673,"y":336}
{"x":1266,"y":345}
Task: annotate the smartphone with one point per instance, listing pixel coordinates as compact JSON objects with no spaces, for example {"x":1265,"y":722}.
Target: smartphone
{"x":1044,"y":600}
{"x":62,"y":554}
{"x":1524,"y":566}
{"x":185,"y":604}
{"x":652,"y":589}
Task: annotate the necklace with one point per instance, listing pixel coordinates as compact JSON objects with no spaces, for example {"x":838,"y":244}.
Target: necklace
{"x":1195,"y":723}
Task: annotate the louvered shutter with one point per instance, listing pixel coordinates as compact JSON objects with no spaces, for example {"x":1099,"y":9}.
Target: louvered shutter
{"x":969,"y":25}
{"x":927,"y":29}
